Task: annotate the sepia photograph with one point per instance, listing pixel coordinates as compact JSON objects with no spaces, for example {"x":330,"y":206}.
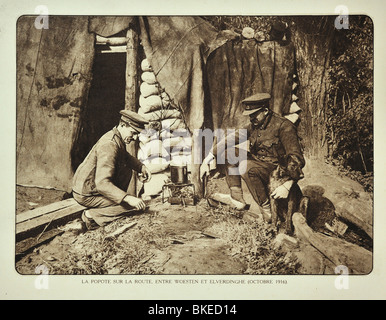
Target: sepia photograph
{"x":194,"y":145}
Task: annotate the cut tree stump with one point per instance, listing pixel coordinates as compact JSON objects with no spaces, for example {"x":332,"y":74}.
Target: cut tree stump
{"x":357,"y":259}
{"x":35,"y":222}
{"x":354,"y":211}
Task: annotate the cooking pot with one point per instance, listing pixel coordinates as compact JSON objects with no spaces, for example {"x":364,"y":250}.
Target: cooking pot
{"x":178,"y":173}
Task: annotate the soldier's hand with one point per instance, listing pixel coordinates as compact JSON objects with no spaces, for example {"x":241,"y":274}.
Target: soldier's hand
{"x":204,"y":170}
{"x":145,"y":174}
{"x":280,"y":192}
{"x":135,"y":202}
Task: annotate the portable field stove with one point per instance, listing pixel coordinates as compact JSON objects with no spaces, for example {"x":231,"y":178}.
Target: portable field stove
{"x":180,"y":190}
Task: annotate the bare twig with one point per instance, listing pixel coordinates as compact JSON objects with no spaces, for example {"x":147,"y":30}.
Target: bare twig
{"x":45,"y":228}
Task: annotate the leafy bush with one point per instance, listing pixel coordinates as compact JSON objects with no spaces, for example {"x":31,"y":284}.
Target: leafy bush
{"x":350,"y":103}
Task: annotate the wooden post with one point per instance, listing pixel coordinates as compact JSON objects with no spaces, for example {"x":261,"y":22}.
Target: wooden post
{"x":131,"y":95}
{"x":131,"y":70}
{"x":195,"y":168}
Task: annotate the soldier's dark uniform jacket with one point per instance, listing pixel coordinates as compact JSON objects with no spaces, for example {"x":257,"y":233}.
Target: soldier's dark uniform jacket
{"x":107,"y":169}
{"x":275,"y":138}
{"x":268,"y":144}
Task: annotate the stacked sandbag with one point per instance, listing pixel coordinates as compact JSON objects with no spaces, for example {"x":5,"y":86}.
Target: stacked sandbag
{"x":181,"y":152}
{"x":152,"y":149}
{"x":170,"y":141}
{"x":294,"y":110}
{"x":160,"y":114}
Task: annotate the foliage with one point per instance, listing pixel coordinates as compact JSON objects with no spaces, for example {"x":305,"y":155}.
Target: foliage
{"x":350,"y":104}
{"x":237,"y":23}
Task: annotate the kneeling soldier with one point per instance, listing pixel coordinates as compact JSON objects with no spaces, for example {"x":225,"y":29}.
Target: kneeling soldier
{"x":101,"y":181}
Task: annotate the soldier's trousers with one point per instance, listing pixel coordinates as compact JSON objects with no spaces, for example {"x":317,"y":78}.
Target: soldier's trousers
{"x":254,"y":172}
{"x":101,"y":209}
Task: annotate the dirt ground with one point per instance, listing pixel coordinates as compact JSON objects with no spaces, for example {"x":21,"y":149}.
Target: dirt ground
{"x":173,"y":239}
{"x":167,"y":239}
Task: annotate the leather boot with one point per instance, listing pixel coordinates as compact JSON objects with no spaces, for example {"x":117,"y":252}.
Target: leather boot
{"x":89,"y":223}
{"x":237,"y":198}
{"x":265,"y":210}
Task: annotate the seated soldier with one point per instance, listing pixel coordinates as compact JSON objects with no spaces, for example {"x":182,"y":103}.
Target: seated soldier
{"x":270,"y":137}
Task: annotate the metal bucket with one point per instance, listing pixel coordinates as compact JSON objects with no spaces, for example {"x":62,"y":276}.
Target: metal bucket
{"x":178,"y":173}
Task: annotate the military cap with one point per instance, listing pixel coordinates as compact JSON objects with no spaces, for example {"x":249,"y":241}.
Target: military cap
{"x":255,"y":102}
{"x":133,"y":119}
